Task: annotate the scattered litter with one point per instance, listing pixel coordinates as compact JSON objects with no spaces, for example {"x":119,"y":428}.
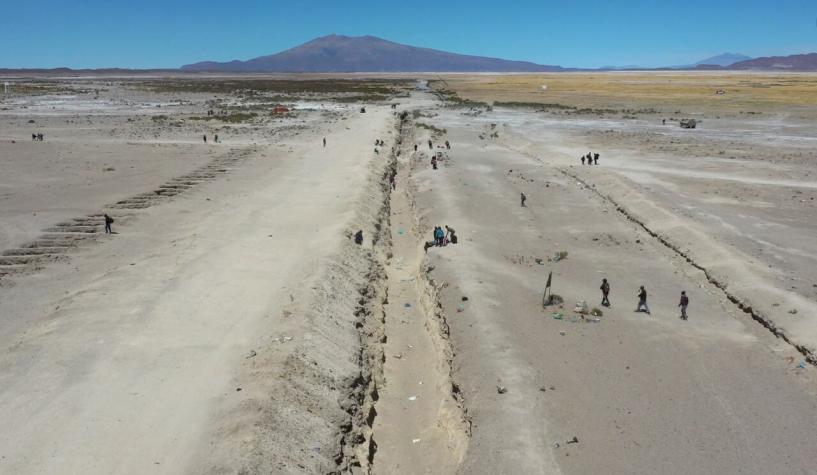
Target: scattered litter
{"x":238,"y":389}
{"x":562,"y":332}
{"x":542,"y":389}
{"x":793,"y":311}
{"x":555,"y":445}
{"x":540,"y":261}
{"x":552,"y":388}
{"x":412,"y":398}
{"x":581,"y":307}
{"x":407,"y":305}
{"x":251,"y":354}
{"x":460,"y":308}
{"x":574,"y":440}
{"x":398,"y":356}
{"x":283,"y":339}
{"x":790,"y":359}
{"x":501,"y":389}
{"x":400,"y":231}
{"x":414,"y":441}
{"x":596,"y":312}
{"x":557,"y":315}
{"x":464,"y":298}
{"x":559,"y":256}
{"x":410,"y":347}
{"x":802,"y":364}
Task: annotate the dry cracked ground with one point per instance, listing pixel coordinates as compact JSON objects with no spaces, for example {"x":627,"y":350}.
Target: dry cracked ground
{"x":271,"y":301}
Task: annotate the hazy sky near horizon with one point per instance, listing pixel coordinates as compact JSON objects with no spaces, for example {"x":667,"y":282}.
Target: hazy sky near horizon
{"x":588,"y":33}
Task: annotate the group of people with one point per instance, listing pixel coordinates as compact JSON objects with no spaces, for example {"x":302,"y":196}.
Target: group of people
{"x":642,"y":299}
{"x":215,"y":139}
{"x":37,"y":137}
{"x":590,"y":159}
{"x":442,"y":237}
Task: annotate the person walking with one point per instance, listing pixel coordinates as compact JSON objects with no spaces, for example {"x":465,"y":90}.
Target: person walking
{"x":642,"y":301}
{"x":108,"y":223}
{"x":415,"y":147}
{"x":683,"y":304}
{"x":595,"y":159}
{"x":324,"y":142}
{"x":523,"y":198}
{"x":430,"y":145}
{"x":582,"y":159}
{"x":605,"y":293}
{"x":215,"y":139}
{"x":205,"y":138}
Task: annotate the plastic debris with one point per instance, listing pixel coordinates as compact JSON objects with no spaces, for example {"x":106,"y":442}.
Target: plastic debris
{"x":501,"y":389}
{"x":412,"y":398}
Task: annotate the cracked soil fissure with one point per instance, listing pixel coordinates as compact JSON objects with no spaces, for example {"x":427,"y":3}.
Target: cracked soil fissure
{"x":420,"y":426}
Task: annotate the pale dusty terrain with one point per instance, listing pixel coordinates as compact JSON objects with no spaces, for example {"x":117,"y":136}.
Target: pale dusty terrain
{"x":232,"y":325}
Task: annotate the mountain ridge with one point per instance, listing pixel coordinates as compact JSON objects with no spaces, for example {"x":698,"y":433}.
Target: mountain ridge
{"x":346,"y":54}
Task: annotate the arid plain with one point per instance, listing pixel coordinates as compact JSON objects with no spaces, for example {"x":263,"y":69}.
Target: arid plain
{"x":234,"y":323}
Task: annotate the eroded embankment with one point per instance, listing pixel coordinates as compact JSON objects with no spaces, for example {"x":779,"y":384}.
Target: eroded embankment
{"x":307,"y":396}
{"x":739,"y":301}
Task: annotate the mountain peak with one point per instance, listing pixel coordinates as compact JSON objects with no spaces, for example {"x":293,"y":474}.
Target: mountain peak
{"x":339,"y":53}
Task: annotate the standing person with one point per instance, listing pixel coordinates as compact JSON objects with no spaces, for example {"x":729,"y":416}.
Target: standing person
{"x":415,"y":147}
{"x":33,"y":137}
{"x":523,"y":198}
{"x":215,"y":139}
{"x":605,"y":293}
{"x":447,"y":145}
{"x":392,"y":182}
{"x":108,"y":223}
{"x":642,"y":301}
{"x":430,"y":146}
{"x":683,"y":304}
{"x":589,"y":158}
{"x":434,"y":162}
{"x":324,"y":142}
{"x":595,"y":159}
{"x":205,"y":138}
{"x":582,"y":159}
{"x":439,"y":236}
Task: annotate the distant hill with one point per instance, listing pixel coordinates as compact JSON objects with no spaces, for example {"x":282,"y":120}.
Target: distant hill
{"x":795,"y":62}
{"x":725,"y":59}
{"x":335,"y":53}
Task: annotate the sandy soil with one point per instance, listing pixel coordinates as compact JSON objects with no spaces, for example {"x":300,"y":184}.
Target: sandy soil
{"x":233,"y":325}
{"x":641,"y":394}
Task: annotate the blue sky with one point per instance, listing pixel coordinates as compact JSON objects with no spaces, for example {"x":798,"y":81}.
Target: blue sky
{"x":169,"y":33}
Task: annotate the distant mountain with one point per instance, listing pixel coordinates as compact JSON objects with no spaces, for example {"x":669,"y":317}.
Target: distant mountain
{"x":795,"y":62}
{"x":715,"y":62}
{"x":335,"y":53}
{"x":725,"y":59}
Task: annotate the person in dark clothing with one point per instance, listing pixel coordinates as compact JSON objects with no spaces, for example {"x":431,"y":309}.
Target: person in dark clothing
{"x":595,"y":159}
{"x":434,"y":162}
{"x":582,"y":159}
{"x":359,"y":237}
{"x":392,"y":182}
{"x":642,"y":301}
{"x":589,"y":158}
{"x":108,"y":223}
{"x":205,"y":138}
{"x":430,"y":145}
{"x":447,"y":145}
{"x":683,"y":304}
{"x":605,"y":293}
{"x":33,"y":137}
{"x":324,"y":142}
{"x":523,"y":198}
{"x":215,"y":139}
{"x":415,"y":147}
{"x":451,"y":235}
